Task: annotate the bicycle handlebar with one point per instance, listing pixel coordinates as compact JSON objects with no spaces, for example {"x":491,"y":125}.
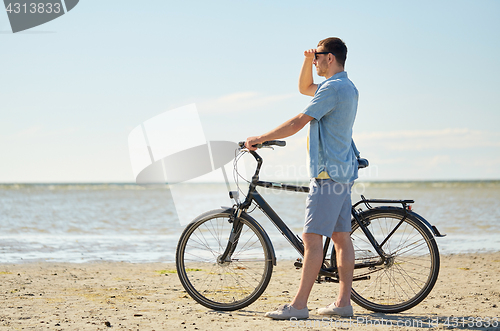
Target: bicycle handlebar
{"x":280,"y":143}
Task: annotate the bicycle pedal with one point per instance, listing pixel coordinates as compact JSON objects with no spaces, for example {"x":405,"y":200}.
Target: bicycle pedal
{"x":331,"y":280}
{"x":361,"y":278}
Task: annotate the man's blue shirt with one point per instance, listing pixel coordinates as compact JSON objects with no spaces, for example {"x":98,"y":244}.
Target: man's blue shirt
{"x":331,"y":149}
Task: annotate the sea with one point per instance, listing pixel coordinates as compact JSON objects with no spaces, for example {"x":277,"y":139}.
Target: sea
{"x":87,"y":222}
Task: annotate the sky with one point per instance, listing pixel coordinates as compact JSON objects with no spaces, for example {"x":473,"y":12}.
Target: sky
{"x":428,"y":74}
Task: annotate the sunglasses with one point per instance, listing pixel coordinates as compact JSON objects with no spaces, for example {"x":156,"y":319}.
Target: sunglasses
{"x":316,"y":54}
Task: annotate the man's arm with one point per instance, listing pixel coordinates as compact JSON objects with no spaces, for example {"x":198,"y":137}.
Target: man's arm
{"x":306,"y":83}
{"x":287,"y":129}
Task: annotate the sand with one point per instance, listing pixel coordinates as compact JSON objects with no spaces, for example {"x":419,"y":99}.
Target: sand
{"x":124,"y":296}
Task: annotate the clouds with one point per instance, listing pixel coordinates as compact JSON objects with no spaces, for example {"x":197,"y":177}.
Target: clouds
{"x":449,"y":138}
{"x":36,"y":132}
{"x":450,"y":153}
{"x":241,"y":101}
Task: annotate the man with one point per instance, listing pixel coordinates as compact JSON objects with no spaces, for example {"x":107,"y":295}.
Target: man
{"x":333,"y":168}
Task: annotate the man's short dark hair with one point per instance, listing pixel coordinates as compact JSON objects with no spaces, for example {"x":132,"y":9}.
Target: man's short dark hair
{"x":337,"y":47}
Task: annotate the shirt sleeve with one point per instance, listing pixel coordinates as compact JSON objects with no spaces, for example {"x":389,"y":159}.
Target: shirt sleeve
{"x":323,"y":102}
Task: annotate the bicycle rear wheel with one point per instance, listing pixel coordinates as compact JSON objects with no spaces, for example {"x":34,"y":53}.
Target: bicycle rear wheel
{"x":221,"y":285}
{"x":411,"y":269}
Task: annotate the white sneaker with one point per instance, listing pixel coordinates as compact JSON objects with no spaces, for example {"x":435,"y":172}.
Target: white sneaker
{"x":287,"y":311}
{"x":334,"y":310}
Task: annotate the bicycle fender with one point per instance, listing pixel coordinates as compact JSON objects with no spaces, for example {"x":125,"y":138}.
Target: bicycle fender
{"x":411,"y":213}
{"x":252,"y":220}
{"x":431,"y":227}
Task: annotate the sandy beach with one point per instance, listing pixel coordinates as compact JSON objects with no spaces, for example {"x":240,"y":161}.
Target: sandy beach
{"x":124,"y":296}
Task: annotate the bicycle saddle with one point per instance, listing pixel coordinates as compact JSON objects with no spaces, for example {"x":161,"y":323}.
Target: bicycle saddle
{"x":362,"y":163}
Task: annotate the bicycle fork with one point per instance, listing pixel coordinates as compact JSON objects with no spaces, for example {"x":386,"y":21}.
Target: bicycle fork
{"x":225,"y":257}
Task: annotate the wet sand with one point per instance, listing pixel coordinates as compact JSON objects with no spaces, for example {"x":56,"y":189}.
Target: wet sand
{"x":124,"y":296}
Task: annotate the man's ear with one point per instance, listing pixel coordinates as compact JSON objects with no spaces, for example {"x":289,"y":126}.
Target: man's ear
{"x":331,"y":58}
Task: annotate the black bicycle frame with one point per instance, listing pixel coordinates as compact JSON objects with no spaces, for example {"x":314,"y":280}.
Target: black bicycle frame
{"x":294,"y":239}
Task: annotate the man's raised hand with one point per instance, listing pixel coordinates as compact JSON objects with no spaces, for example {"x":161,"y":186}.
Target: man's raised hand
{"x":309,"y":54}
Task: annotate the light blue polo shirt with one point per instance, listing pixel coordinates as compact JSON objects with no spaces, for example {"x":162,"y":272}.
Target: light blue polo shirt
{"x":331,"y":148}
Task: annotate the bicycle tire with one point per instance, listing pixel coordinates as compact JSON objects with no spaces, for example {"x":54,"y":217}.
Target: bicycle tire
{"x":223,"y":286}
{"x":412,"y":269}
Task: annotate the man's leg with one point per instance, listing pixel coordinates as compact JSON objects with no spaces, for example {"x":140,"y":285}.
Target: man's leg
{"x":313,"y":258}
{"x":345,"y":264}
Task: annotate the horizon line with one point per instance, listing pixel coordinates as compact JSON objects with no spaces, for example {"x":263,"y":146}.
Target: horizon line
{"x":281,"y":181}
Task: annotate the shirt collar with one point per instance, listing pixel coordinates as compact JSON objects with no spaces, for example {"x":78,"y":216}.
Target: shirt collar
{"x":342,"y":74}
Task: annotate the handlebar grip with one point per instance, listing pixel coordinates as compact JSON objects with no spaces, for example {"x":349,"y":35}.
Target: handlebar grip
{"x":280,"y":143}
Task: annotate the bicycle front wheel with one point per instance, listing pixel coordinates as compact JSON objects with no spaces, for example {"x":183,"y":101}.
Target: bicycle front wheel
{"x":411,"y":267}
{"x":222,"y":285}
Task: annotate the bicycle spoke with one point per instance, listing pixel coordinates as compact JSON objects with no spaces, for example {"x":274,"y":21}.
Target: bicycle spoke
{"x":224,"y":285}
{"x":408,"y":273}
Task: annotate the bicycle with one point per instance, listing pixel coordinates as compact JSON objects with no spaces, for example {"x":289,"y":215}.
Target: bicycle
{"x":224,"y":257}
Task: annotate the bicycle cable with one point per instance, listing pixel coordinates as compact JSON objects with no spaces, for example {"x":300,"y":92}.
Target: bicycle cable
{"x":236,"y":174}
